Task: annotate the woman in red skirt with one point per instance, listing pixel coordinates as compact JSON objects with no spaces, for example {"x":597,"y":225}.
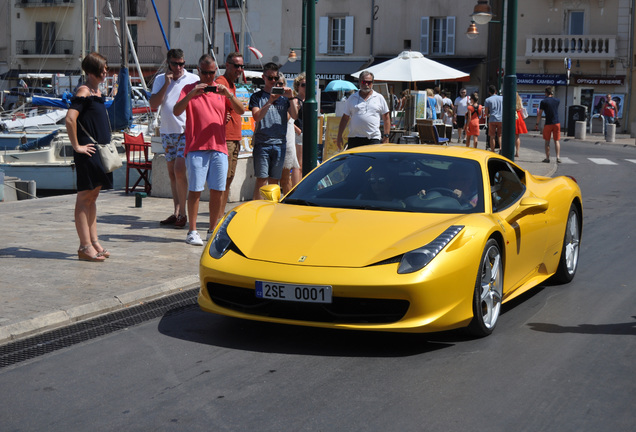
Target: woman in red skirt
{"x":473,"y":116}
{"x":520,"y":125}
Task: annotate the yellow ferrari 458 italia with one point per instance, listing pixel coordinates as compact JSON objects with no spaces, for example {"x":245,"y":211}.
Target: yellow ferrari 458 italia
{"x":409,"y":238}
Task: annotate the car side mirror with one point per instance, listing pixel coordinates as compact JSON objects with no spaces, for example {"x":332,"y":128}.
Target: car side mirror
{"x":528,"y":206}
{"x":270,"y":192}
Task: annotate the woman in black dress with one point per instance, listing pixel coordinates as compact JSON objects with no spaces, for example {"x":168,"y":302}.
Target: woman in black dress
{"x":87,"y":116}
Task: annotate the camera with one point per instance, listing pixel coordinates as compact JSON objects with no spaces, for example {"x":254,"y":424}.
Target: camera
{"x":210,"y":89}
{"x":278,"y":90}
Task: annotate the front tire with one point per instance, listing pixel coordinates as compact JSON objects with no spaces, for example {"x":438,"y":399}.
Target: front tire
{"x":569,"y":261}
{"x":488,"y":291}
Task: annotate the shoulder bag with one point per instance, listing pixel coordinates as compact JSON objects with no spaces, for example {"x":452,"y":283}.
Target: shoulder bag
{"x":108,"y":152}
{"x":524,"y":112}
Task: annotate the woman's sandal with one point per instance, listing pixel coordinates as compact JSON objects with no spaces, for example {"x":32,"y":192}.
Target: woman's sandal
{"x":104,"y":252}
{"x":83,"y":256}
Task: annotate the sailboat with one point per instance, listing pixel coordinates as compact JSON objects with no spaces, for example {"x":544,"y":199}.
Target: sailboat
{"x":49,"y":161}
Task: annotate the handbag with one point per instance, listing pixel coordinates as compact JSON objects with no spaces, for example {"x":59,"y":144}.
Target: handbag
{"x":108,"y":152}
{"x":524,"y":113}
{"x":110,"y":158}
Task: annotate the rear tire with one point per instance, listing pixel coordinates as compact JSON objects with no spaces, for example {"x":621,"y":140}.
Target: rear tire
{"x":488,"y":291}
{"x":569,"y":261}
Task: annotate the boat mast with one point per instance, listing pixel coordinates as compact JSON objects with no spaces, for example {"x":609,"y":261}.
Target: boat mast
{"x":95,"y":27}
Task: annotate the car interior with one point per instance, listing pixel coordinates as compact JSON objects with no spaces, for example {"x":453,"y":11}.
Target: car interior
{"x":395,"y":181}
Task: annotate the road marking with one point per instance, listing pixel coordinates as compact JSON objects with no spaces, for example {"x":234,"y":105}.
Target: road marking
{"x":602,"y":161}
{"x":631,"y":160}
{"x":567,"y":160}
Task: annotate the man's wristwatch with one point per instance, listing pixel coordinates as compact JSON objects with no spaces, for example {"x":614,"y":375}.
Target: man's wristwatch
{"x":385,"y":135}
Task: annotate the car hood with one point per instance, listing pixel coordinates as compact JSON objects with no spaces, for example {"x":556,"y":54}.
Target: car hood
{"x":331,"y":237}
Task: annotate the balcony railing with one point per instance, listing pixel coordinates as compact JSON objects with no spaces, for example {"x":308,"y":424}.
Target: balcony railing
{"x":43,"y":3}
{"x":146,"y":54}
{"x":576,"y":46}
{"x":40,"y":47}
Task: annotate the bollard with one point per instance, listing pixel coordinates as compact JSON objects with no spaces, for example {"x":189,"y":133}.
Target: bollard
{"x":610,"y":132}
{"x":138,"y":197}
{"x":579,"y":130}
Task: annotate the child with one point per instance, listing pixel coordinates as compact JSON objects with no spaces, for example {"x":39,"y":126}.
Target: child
{"x":447,"y":117}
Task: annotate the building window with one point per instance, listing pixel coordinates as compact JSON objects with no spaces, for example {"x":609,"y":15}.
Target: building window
{"x":576,"y":22}
{"x":229,"y":48}
{"x":231,"y":4}
{"x":337,"y":39}
{"x":437,"y":35}
{"x":44,"y":38}
{"x":335,"y":35}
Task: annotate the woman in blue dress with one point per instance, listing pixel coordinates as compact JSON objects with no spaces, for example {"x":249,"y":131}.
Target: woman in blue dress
{"x":87,"y":118}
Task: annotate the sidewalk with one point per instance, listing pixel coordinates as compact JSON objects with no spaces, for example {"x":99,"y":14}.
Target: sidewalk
{"x":44,"y":286}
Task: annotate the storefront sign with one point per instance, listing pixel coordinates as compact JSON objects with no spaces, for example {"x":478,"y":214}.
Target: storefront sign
{"x":593,"y":80}
{"x":330,"y":76}
{"x":541,"y":79}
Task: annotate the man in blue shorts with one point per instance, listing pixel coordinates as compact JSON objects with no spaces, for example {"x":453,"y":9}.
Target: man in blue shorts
{"x":269,"y":111}
{"x":165,"y":93}
{"x":207,"y":105}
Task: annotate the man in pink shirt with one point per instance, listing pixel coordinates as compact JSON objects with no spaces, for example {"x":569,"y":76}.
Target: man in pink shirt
{"x":206,"y":105}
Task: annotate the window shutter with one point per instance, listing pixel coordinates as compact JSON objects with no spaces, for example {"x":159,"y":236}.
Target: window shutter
{"x":323,"y":35}
{"x":450,"y":35}
{"x":424,"y":32}
{"x":247,"y":54}
{"x":349,"y":35}
{"x":227,"y":45}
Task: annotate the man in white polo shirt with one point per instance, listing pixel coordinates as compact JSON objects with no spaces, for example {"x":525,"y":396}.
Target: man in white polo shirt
{"x":365,"y":108}
{"x":461,"y":109}
{"x":165,"y":93}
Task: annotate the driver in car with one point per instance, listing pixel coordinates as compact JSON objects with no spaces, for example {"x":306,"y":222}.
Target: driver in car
{"x":462,"y":185}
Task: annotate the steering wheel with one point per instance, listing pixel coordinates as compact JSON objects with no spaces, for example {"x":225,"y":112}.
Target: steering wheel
{"x":444,"y":191}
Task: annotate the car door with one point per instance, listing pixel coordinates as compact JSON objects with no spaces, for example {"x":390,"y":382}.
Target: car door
{"x":525,"y":236}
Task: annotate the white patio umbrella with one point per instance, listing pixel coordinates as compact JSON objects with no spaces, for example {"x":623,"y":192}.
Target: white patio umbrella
{"x":411,"y":66}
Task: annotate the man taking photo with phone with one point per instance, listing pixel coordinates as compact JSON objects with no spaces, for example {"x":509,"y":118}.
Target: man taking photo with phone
{"x":206,"y":152}
{"x":269,"y":109}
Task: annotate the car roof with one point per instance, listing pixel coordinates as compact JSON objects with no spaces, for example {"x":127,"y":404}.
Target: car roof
{"x":478,"y":155}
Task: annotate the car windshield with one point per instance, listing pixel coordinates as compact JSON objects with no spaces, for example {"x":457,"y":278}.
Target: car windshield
{"x":411,"y":182}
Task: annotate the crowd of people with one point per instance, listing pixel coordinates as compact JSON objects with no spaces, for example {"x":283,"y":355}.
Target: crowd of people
{"x":201,"y":129}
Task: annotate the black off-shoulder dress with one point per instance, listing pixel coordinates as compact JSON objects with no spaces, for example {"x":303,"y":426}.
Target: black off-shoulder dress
{"x":94,"y":118}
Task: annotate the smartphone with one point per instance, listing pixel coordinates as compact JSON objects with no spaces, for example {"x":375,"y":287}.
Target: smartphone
{"x":278,"y":90}
{"x":210,"y":89}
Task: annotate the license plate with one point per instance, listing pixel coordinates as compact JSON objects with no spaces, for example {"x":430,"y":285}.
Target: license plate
{"x":293,"y":292}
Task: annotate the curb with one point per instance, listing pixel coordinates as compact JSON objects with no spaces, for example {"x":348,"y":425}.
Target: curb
{"x":62,"y":318}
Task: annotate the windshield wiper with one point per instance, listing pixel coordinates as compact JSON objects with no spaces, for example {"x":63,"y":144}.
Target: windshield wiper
{"x":299,"y":202}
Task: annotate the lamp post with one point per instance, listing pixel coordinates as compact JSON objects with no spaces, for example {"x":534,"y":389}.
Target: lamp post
{"x":482,"y":15}
{"x":310,"y":107}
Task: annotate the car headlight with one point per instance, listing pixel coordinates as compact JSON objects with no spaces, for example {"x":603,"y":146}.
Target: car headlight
{"x":221,"y":241}
{"x":417,"y":259}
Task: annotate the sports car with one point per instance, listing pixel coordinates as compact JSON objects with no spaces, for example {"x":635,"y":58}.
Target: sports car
{"x":404,"y":238}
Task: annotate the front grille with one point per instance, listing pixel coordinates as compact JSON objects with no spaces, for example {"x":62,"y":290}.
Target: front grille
{"x":343,"y":310}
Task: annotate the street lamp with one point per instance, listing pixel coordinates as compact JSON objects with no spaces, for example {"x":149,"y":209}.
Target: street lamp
{"x":292,"y":57}
{"x":472,"y":31}
{"x":482,"y":14}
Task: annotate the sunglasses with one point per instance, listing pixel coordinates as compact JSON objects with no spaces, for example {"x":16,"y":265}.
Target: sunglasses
{"x":180,"y":64}
{"x":303,"y":84}
{"x":366,"y":82}
{"x":273,"y":78}
{"x":202,"y":72}
{"x":238,"y":66}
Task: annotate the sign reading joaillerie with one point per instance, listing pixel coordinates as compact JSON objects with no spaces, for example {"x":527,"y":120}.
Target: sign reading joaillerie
{"x":541,"y":79}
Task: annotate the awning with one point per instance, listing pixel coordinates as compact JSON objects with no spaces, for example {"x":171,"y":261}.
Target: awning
{"x":327,"y":69}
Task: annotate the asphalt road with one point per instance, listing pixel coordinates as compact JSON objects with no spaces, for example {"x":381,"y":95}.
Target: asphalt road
{"x":561,"y":358}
